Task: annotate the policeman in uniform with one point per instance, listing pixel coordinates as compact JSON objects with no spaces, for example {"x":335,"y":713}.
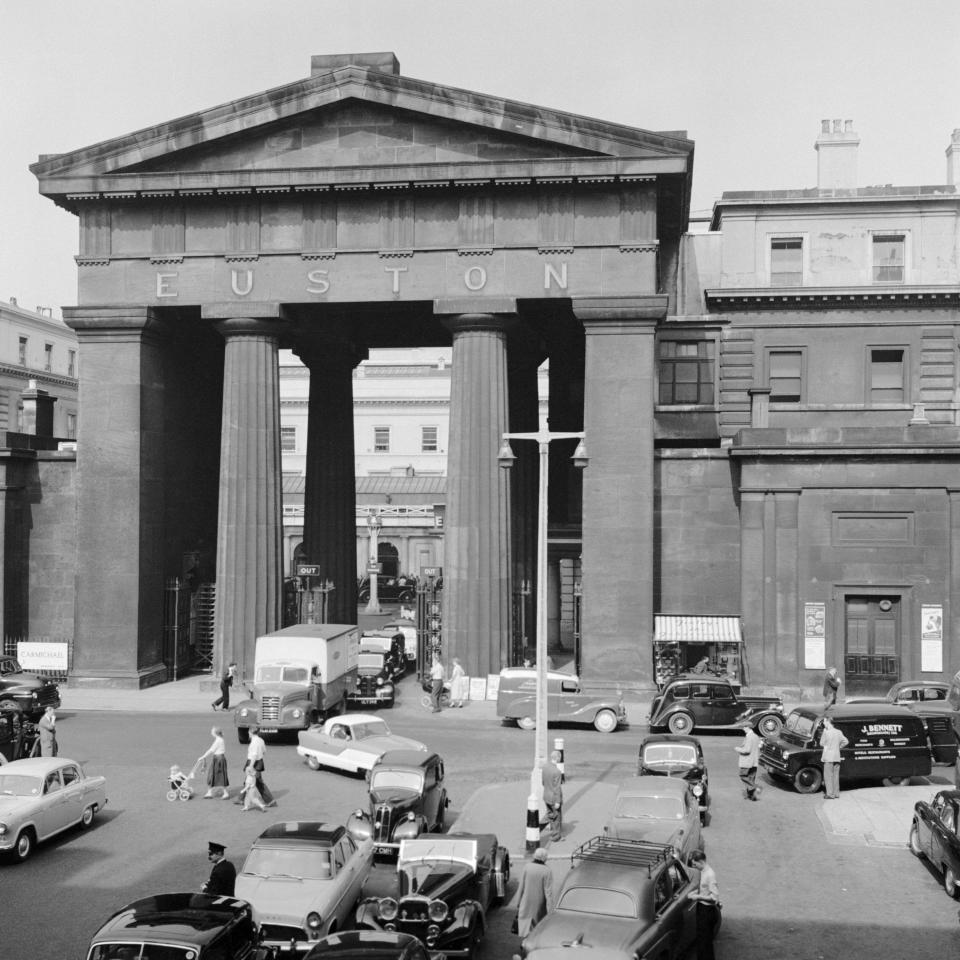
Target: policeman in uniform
{"x":223,"y":875}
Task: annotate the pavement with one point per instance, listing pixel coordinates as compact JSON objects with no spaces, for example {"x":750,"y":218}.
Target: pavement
{"x":872,"y":816}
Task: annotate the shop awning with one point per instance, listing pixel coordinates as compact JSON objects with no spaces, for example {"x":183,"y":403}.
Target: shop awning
{"x":670,"y":628}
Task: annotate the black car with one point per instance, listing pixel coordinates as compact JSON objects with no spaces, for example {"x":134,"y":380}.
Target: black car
{"x":373,"y":685}
{"x":180,"y":926}
{"x":19,"y":737}
{"x":688,"y":703}
{"x":407,"y":798}
{"x":32,"y":694}
{"x":368,"y":944}
{"x":390,"y":590}
{"x":676,"y":755}
{"x":933,"y":836}
{"x":391,"y":644}
{"x":446,"y":883}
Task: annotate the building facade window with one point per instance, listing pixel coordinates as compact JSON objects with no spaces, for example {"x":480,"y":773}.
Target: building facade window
{"x":22,"y":353}
{"x":381,"y":439}
{"x":71,"y":363}
{"x":428,"y":440}
{"x":889,"y":258}
{"x":685,"y":370}
{"x":785,"y":375}
{"x":887,"y":376}
{"x":48,"y":357}
{"x":786,"y":262}
{"x":288,"y":439}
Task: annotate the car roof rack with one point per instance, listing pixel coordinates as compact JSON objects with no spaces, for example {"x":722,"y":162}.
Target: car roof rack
{"x":632,"y":853}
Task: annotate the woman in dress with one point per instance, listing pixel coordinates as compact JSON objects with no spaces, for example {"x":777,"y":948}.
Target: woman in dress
{"x":215,"y":760}
{"x":458,"y":684}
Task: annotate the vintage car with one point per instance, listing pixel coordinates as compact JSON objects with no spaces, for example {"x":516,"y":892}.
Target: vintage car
{"x":407,"y":798}
{"x":661,"y":810}
{"x":179,"y":926}
{"x":933,"y":836}
{"x":350,"y":743}
{"x":408,"y":628}
{"x":18,"y":736}
{"x":446,"y":883}
{"x":909,"y":692}
{"x":675,"y":755}
{"x":688,"y":703}
{"x":303,"y":879}
{"x":43,"y":796}
{"x":389,"y":590}
{"x":567,"y":701}
{"x":368,"y":945}
{"x":391,"y":643}
{"x":380,"y":663}
{"x":32,"y":694}
{"x":625,"y":899}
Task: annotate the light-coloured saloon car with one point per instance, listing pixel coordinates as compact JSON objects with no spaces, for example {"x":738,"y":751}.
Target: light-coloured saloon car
{"x":43,"y":796}
{"x":353,"y":742}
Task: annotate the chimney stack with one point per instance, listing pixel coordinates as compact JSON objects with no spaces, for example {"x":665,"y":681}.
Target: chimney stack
{"x":37,"y":411}
{"x":953,"y":160}
{"x":837,"y":156}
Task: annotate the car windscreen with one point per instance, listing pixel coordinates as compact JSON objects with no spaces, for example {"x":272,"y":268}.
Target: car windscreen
{"x":276,"y":673}
{"x":18,"y":785}
{"x":298,"y":862}
{"x":141,"y":951}
{"x":372,"y":728}
{"x":370,"y":661}
{"x":10,"y":666}
{"x":605,"y":903}
{"x":649,"y":808}
{"x":396,"y":780}
{"x":664,"y":753}
{"x":802,"y":724}
{"x":423,"y":878}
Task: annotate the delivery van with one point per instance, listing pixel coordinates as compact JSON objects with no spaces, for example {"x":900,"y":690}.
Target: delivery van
{"x":886,"y":743}
{"x":302,"y":675}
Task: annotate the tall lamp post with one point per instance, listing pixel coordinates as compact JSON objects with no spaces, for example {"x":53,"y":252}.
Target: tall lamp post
{"x":373,"y":525}
{"x":506,"y":458}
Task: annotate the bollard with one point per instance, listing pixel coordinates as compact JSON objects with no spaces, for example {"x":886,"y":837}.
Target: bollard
{"x":533,"y":824}
{"x":558,"y":746}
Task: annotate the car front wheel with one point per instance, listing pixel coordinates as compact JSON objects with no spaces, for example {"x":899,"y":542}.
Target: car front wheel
{"x":86,"y":818}
{"x":24,"y":846}
{"x":808,"y":780}
{"x":243,"y":734}
{"x":914,"y":841}
{"x":770,"y":727}
{"x":680,"y":723}
{"x":950,"y":883}
{"x":605,"y":721}
{"x":527,"y":723}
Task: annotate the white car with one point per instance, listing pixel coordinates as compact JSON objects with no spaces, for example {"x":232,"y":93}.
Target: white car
{"x":43,"y":796}
{"x":351,"y":743}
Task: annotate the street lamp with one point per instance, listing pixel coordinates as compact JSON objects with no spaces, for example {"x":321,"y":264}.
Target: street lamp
{"x":373,"y":525}
{"x":506,"y":458}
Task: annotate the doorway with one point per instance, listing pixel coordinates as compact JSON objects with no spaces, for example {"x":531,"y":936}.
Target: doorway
{"x":871,"y":644}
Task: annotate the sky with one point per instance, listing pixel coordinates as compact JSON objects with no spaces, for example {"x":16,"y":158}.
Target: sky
{"x":748,"y":80}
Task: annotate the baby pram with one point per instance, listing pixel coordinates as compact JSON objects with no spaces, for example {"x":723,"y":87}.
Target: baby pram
{"x":181,"y":784}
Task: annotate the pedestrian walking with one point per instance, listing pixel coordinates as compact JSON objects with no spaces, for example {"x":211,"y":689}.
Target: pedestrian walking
{"x":552,"y":781}
{"x":256,"y":760}
{"x":47,"y":725}
{"x":215,"y":760}
{"x":535,"y":893}
{"x":436,"y":684}
{"x":749,"y":760}
{"x":708,"y":905}
{"x":226,"y":682}
{"x":458,"y":684}
{"x":831,"y":684}
{"x":832,"y":741}
{"x":252,"y":798}
{"x":223,"y":874}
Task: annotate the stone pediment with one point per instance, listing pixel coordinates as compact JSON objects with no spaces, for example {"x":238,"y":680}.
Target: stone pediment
{"x":358,"y":123}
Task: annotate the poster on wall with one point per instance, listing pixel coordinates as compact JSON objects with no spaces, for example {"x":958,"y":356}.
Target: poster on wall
{"x":815,"y":636}
{"x":931,"y":638}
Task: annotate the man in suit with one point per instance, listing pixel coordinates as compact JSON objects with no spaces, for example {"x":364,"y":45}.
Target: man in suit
{"x":553,"y":795}
{"x":223,"y":874}
{"x":226,"y":682}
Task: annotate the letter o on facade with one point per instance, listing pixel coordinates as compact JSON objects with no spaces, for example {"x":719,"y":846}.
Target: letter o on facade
{"x":475,"y":278}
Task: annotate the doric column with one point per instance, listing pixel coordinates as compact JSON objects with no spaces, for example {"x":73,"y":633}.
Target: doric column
{"x":787,"y":550}
{"x":250,"y":517}
{"x":476,"y":567}
{"x":752,"y":576}
{"x":329,"y":515}
{"x":120,"y":497}
{"x":618,"y":487}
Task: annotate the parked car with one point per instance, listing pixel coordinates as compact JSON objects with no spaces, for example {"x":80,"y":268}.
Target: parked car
{"x":933,"y":836}
{"x":624,"y":899}
{"x":687,"y":704}
{"x":390,"y":590}
{"x":179,"y":926}
{"x":391,"y":644}
{"x":407,"y":797}
{"x":908,"y":692}
{"x":661,"y":810}
{"x":19,"y":737}
{"x":32,"y":694}
{"x":368,"y":945}
{"x":446,"y":884}
{"x":886,"y":742}
{"x":303,"y":878}
{"x":43,"y":796}
{"x":676,"y":755}
{"x":350,"y":743}
{"x":378,"y":666}
{"x":567,"y":701}
{"x":408,"y":628}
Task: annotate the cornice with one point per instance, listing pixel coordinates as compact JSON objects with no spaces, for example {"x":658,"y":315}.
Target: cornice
{"x":821,"y":298}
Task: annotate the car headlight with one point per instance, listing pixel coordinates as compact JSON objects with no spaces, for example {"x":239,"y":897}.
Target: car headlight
{"x":243,"y":711}
{"x":3,"y":829}
{"x":379,"y":681}
{"x":388,"y":908}
{"x":437,"y":911}
{"x":313,"y":921}
{"x":698,"y":790}
{"x":297,"y":713}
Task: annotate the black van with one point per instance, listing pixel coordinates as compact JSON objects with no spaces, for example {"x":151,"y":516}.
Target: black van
{"x":886,"y":742}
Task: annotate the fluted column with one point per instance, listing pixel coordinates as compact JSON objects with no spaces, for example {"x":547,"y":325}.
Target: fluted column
{"x":329,"y":513}
{"x":250,"y":519}
{"x":476,"y":569}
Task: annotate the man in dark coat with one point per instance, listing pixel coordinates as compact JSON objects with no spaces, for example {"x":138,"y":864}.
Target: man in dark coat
{"x":553,"y":795}
{"x":223,"y":874}
{"x":226,"y":682}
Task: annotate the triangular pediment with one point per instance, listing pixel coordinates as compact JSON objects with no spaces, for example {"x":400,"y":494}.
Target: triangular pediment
{"x":354,"y":117}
